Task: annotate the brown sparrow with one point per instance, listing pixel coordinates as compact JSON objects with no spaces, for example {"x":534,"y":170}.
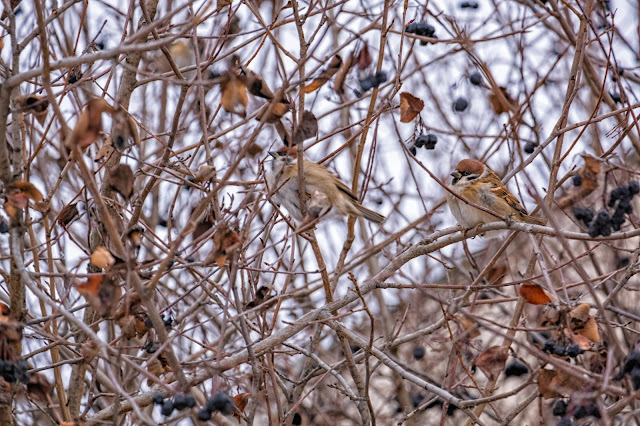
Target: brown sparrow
{"x":478,"y":184}
{"x":325,"y":192}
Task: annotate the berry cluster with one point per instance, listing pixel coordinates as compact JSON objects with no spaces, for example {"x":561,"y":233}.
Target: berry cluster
{"x":424,"y":141}
{"x":373,"y":80}
{"x":603,"y":223}
{"x":422,"y":29}
{"x":469,"y":5}
{"x":13,"y":372}
{"x":218,"y":402}
{"x":178,"y":402}
{"x":579,"y":411}
{"x":632,"y":367}
{"x":571,"y":350}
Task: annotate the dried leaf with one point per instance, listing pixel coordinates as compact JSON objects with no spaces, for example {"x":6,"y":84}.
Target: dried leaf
{"x":121,"y":180}
{"x":582,"y":342}
{"x":5,"y":311}
{"x":465,"y":324}
{"x":547,"y":384}
{"x":67,"y":214}
{"x":105,"y":150}
{"x":364,"y":58}
{"x":499,"y":106}
{"x":262,"y":295}
{"x":102,"y":258}
{"x":584,"y":324}
{"x":534,"y":294}
{"x":589,"y":182}
{"x":234,"y":98}
{"x":36,"y":105}
{"x":225,"y":241}
{"x":134,"y":236}
{"x":124,"y":129}
{"x":273,"y":112}
{"x":497,"y":273}
{"x":240,"y":400}
{"x":221,"y":4}
{"x":10,"y":330}
{"x":341,"y":75}
{"x":205,"y":173}
{"x":590,"y":330}
{"x":38,"y":387}
{"x":580,"y":313}
{"x":325,"y":75}
{"x":492,"y":361}
{"x":307,"y":129}
{"x":89,"y":126}
{"x":254,"y":149}
{"x":18,"y":195}
{"x":101,"y":292}
{"x":410,"y":107}
{"x":89,"y":350}
{"x":256,"y":85}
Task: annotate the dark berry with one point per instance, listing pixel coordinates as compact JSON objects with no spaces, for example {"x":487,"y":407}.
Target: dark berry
{"x":158,"y":398}
{"x":635,"y":378}
{"x":420,"y":141}
{"x":431,"y":141}
{"x":180,"y":402}
{"x":623,"y":262}
{"x":476,"y":78}
{"x":418,"y":352}
{"x":615,"y":96}
{"x":421,"y":29}
{"x":190,"y":400}
{"x":221,"y":402}
{"x":167,"y":407}
{"x":100,"y":45}
{"x":548,"y":346}
{"x":204,"y":414}
{"x":529,"y":147}
{"x":460,"y":104}
{"x":417,"y":398}
{"x":373,"y":80}
{"x":631,"y":361}
{"x":559,"y":350}
{"x":148,"y":323}
{"x":577,"y":180}
{"x":580,"y":412}
{"x":413,"y":150}
{"x":560,"y":408}
{"x":4,"y":227}
{"x":565,"y":421}
{"x":634,"y":188}
{"x":297,"y":420}
{"x":583,"y":214}
{"x":574,"y":350}
{"x":162,"y":222}
{"x":469,"y":5}
{"x":515,"y":368}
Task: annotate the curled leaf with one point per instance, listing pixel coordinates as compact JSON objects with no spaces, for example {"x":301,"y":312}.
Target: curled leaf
{"x":101,"y":292}
{"x":205,"y":173}
{"x":121,"y":180}
{"x":67,"y":214}
{"x":234,"y":98}
{"x":492,"y":361}
{"x":584,"y":324}
{"x":325,"y":75}
{"x":38,"y":387}
{"x":547,"y":384}
{"x":225,"y":241}
{"x":18,"y":195}
{"x":497,"y":104}
{"x":89,"y":350}
{"x":589,"y":182}
{"x":124,"y":129}
{"x":89,"y":126}
{"x":341,"y":75}
{"x":240,"y":400}
{"x":273,"y":112}
{"x":256,"y":84}
{"x":262,"y":295}
{"x":534,"y":294}
{"x":307,"y":129}
{"x":410,"y":107}
{"x":36,"y":105}
{"x":364,"y":58}
{"x":102,"y":258}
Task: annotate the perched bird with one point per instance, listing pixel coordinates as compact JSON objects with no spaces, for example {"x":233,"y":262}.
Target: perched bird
{"x":478,"y":184}
{"x":323,"y":189}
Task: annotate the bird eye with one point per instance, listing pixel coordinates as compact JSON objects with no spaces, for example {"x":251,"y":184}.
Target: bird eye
{"x":465,"y":173}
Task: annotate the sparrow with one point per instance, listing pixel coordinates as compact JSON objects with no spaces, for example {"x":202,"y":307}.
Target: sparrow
{"x":478,"y":184}
{"x":324,"y":191}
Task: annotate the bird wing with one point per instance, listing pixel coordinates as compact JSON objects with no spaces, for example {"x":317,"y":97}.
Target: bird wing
{"x":503,"y":194}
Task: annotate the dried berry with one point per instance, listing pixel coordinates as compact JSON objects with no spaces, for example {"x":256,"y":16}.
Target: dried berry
{"x":583,"y":214}
{"x":373,"y":80}
{"x":221,"y":402}
{"x":469,"y":5}
{"x":418,"y":352}
{"x":577,"y":180}
{"x":560,"y":408}
{"x":167,"y":407}
{"x":180,"y":402}
{"x":158,"y":398}
{"x":204,"y":414}
{"x":548,"y":346}
{"x":413,"y":150}
{"x":529,"y":147}
{"x":574,"y":350}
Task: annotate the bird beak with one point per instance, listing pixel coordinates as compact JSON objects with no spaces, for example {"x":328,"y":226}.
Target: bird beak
{"x":274,"y":154}
{"x":456,"y":175}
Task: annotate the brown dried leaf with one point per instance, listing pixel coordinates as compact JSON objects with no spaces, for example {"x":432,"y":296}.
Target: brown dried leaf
{"x":225,"y":241}
{"x":240,"y":400}
{"x":341,"y":75}
{"x":364,"y":58}
{"x":67,"y":214}
{"x":325,"y":75}
{"x":134,"y":236}
{"x":254,"y":149}
{"x":124,"y":129}
{"x":221,"y":4}
{"x":10,"y":330}
{"x":589,"y":174}
{"x":410,"y":107}
{"x":38,"y":387}
{"x":262,"y":295}
{"x":307,"y":129}
{"x":274,"y":111}
{"x":105,"y":150}
{"x":121,"y":180}
{"x":234,"y":98}
{"x":101,"y":292}
{"x":590,"y":330}
{"x":465,"y":324}
{"x":5,"y":311}
{"x":534,"y":294}
{"x":547,"y":384}
{"x":582,"y":342}
{"x":205,"y":173}
{"x":499,"y":106}
{"x":36,"y":105}
{"x":89,"y":350}
{"x":26,"y":189}
{"x":580,"y":313}
{"x":256,"y":85}
{"x":492,"y":361}
{"x":102,"y":258}
{"x":89,"y":125}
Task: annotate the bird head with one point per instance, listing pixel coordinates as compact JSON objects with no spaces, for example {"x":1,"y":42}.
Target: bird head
{"x":466,"y":171}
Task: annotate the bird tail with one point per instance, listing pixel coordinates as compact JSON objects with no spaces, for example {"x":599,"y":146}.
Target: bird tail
{"x":369,"y":214}
{"x":535,"y":220}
